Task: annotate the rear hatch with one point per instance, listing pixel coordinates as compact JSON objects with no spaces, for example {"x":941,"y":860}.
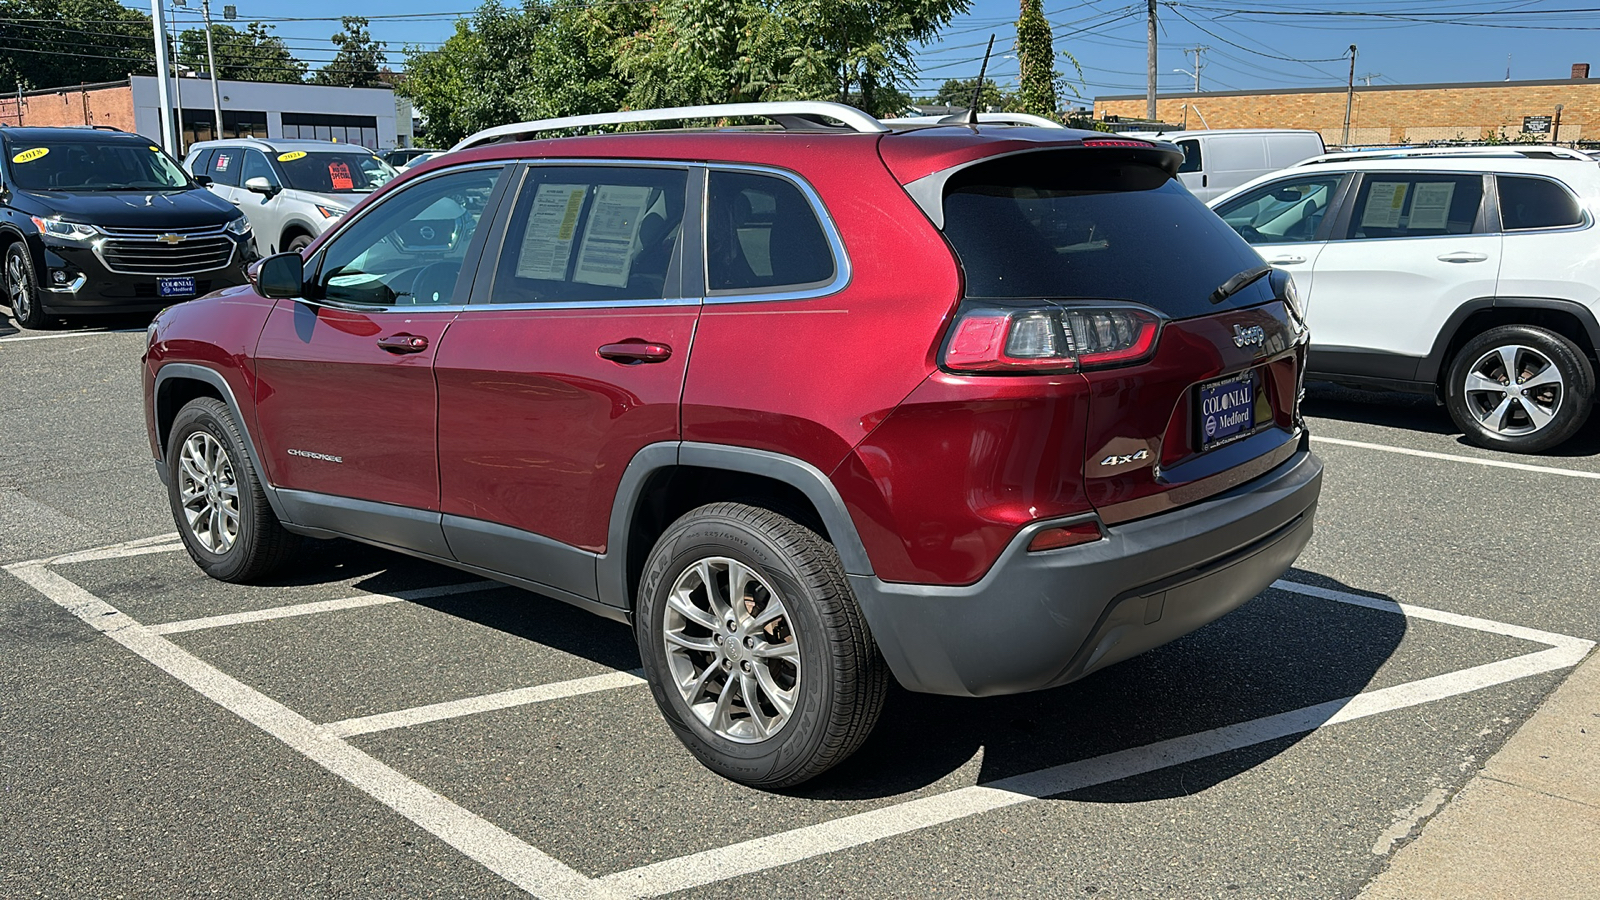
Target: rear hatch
{"x":1092,"y":260}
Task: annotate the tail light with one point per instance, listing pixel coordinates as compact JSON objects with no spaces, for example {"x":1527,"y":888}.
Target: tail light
{"x":1045,"y":339}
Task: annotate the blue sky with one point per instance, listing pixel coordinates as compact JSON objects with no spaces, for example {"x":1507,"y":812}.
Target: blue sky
{"x":1253,"y":43}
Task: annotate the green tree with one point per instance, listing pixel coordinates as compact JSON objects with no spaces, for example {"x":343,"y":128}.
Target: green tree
{"x":254,"y":54}
{"x":359,"y":58}
{"x":62,"y":43}
{"x":958,"y":92}
{"x":1036,"y":92}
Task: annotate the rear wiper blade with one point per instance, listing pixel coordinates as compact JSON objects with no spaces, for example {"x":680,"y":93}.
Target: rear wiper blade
{"x":1239,"y":282}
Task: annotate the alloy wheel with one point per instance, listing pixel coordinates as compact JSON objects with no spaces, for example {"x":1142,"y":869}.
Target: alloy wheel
{"x":17,"y":289}
{"x":1514,"y":390}
{"x":208,"y":492}
{"x":731,"y":649}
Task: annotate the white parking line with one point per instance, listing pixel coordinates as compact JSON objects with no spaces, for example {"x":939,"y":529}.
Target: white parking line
{"x":451,"y":709}
{"x":17,"y":339}
{"x":492,"y":847}
{"x":1428,"y":454}
{"x":161,"y":543}
{"x":319,"y":606}
{"x":799,"y":844}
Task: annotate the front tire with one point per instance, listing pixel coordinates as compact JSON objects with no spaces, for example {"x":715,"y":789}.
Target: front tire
{"x":297,"y":243}
{"x":754,"y":647}
{"x":217,"y":500}
{"x":1519,"y":388}
{"x":22,"y":287}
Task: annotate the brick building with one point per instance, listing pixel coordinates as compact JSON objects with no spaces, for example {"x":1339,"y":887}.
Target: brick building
{"x":1413,"y":113}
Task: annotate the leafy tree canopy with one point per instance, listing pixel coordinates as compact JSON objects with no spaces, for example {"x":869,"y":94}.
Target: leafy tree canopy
{"x":359,"y":60}
{"x":958,"y":92}
{"x":254,"y":54}
{"x":55,"y":43}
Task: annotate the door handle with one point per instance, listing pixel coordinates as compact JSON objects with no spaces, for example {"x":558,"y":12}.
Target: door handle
{"x":1287,"y":260}
{"x":1463,"y":256}
{"x":403,"y":343}
{"x":234,"y":200}
{"x":635,"y":352}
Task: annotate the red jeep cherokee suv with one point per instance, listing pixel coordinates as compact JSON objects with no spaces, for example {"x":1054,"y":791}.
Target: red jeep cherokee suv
{"x":984,"y":407}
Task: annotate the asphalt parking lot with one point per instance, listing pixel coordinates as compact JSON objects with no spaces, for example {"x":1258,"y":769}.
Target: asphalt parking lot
{"x":377,"y":727}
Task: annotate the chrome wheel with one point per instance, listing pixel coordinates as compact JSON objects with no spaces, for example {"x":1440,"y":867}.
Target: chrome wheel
{"x":731,"y":649}
{"x":17,"y":289}
{"x":209,"y":492}
{"x":1514,"y":390}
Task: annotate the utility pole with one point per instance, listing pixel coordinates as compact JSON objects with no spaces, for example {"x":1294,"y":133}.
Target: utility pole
{"x":1150,"y":67}
{"x":211,"y":60}
{"x":1349,"y":97}
{"x":1197,"y":51}
{"x":158,"y":20}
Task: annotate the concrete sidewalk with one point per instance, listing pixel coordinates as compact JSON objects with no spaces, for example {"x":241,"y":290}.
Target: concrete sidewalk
{"x":1528,"y":825}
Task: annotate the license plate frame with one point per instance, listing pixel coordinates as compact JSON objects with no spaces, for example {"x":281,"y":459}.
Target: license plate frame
{"x":175,"y":286}
{"x":1225,"y":409}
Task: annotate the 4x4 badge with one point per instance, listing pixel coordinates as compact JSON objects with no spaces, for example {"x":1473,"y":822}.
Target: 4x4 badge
{"x":1115,"y":460}
{"x":1244,"y":337}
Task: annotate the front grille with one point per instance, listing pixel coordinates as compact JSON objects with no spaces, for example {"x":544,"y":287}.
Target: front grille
{"x":140,"y":251}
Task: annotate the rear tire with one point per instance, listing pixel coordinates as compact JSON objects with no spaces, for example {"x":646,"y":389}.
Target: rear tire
{"x":217,"y":500}
{"x":754,"y":647}
{"x":22,"y":287}
{"x":1519,"y":388}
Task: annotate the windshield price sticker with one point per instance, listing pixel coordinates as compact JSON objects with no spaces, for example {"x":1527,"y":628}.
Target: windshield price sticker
{"x":291,"y":156}
{"x":339,"y":174}
{"x":28,"y":156}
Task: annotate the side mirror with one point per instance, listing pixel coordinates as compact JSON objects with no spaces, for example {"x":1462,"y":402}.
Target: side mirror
{"x":260,"y":185}
{"x":203,"y":180}
{"x":281,"y":277}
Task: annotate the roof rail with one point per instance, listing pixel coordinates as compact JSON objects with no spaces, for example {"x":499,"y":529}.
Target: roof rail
{"x":1000,"y":118}
{"x":1536,"y":151}
{"x":795,"y":114}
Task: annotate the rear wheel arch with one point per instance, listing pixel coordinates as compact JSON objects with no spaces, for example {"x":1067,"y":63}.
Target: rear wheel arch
{"x":1570,"y":319}
{"x":665,"y":481}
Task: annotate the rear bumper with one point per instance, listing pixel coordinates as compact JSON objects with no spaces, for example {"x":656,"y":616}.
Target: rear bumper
{"x":1038,"y":620}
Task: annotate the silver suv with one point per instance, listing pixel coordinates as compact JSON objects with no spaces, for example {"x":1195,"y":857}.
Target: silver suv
{"x":291,"y":191}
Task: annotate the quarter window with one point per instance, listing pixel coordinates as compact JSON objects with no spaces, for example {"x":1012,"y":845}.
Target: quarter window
{"x":1415,"y":205}
{"x":409,"y":249}
{"x":762,"y":234}
{"x":1527,"y":203}
{"x":592,"y":233}
{"x":1281,"y":212}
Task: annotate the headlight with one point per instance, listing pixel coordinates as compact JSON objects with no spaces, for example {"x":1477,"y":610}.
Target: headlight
{"x":331,"y":212}
{"x":240,"y":226}
{"x":68,"y":230}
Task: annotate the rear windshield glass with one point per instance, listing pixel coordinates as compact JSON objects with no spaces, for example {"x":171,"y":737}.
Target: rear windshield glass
{"x":358,"y":172}
{"x":92,"y":166}
{"x":1057,"y":225}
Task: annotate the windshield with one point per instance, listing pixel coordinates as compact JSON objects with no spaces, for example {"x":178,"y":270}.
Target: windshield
{"x":1054,"y":225}
{"x":355,"y":172}
{"x":89,"y":166}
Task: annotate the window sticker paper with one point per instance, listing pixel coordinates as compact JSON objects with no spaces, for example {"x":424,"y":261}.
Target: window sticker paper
{"x":222,"y":162}
{"x":547,"y":241}
{"x":339,"y":176}
{"x":1430,"y":205}
{"x":1384,"y":203}
{"x":606,"y":255}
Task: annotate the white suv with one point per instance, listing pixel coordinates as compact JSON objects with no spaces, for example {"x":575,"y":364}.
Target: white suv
{"x":1470,"y":274}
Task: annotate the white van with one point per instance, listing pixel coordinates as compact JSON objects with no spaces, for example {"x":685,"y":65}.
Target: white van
{"x":1220,"y":160}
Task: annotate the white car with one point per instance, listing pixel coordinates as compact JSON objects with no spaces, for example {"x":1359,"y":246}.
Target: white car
{"x":1469,"y":274}
{"x":1220,"y":159}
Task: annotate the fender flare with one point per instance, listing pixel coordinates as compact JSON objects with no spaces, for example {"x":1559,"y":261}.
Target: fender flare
{"x":1433,"y":364}
{"x":210,"y":376}
{"x":612,"y":566}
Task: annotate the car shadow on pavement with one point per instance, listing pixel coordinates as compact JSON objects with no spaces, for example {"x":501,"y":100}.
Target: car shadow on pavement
{"x":1415,"y":412}
{"x":1279,"y":652}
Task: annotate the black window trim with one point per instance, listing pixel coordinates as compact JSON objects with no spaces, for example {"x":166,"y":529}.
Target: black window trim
{"x":1499,"y":218}
{"x":1481,"y":225}
{"x":472,"y":260}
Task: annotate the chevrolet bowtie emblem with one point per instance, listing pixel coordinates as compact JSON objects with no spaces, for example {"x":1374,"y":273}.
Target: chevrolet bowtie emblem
{"x":170,"y":238}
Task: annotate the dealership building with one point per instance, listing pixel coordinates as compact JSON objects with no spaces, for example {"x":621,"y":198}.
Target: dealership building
{"x":369,"y":117}
{"x":1390,"y":114}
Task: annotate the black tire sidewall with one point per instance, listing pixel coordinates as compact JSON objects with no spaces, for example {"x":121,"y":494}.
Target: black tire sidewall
{"x":767,"y":761}
{"x":1577,"y":396}
{"x":34,"y":317}
{"x":297,"y":243}
{"x":209,"y":416}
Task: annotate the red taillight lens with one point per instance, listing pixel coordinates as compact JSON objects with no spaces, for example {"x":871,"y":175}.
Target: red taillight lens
{"x":1051,"y":339}
{"x":1117,"y":142}
{"x":1064,"y":536}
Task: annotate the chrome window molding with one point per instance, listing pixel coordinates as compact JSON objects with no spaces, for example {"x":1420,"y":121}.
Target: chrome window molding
{"x":842,"y":270}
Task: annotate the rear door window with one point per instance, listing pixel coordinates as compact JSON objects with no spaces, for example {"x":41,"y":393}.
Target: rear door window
{"x":225,"y":165}
{"x":762,"y":235}
{"x":1064,"y":225}
{"x":1528,"y":203}
{"x":592,"y":234}
{"x":1415,"y":204}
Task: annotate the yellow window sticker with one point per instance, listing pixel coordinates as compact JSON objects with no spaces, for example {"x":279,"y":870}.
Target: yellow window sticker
{"x":154,"y":149}
{"x":28,"y":156}
{"x":291,"y":156}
